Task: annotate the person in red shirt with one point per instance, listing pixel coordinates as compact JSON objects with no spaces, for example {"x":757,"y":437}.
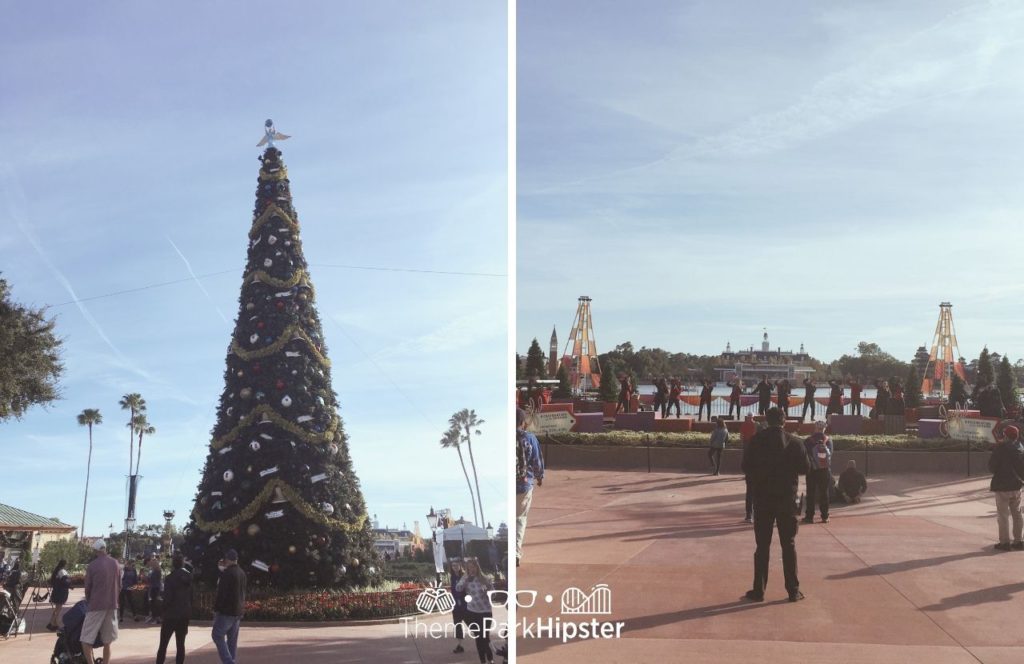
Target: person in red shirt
{"x":625,"y":394}
{"x":855,"y":389}
{"x":674,"y":392}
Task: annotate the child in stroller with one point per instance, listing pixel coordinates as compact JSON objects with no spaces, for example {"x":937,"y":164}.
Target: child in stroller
{"x":68,"y":649}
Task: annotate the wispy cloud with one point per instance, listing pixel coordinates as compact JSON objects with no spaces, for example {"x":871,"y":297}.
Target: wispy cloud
{"x":188,"y":266}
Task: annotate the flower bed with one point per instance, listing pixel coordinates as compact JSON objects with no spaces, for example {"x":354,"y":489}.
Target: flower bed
{"x":317,"y":605}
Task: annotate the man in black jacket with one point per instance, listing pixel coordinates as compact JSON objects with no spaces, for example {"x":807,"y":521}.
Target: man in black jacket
{"x":809,"y":403}
{"x":773,"y":462}
{"x":177,"y":610}
{"x":764,"y":395}
{"x":1007,"y":466}
{"x":228,"y":607}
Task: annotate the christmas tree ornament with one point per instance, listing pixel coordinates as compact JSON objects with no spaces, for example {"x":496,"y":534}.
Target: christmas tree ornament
{"x":254,"y":446}
{"x":229,"y":475}
{"x":279,"y":304}
{"x":278,"y":496}
{"x":260,"y":396}
{"x":267,"y":262}
{"x":327,"y":508}
{"x":253,"y":338}
{"x":332,"y":448}
{"x":291,"y":548}
{"x":355,"y":562}
{"x":224,"y":450}
{"x":248,"y":469}
{"x":286,"y":401}
{"x":275,"y":568}
{"x":275,"y":514}
{"x":245,"y":393}
{"x":249,"y":306}
{"x":253,"y":530}
{"x":279,"y":384}
{"x":272,"y":239}
{"x":260,"y":565}
{"x":260,"y":325}
{"x":239,"y":373}
{"x":230,"y":410}
{"x":257,"y":368}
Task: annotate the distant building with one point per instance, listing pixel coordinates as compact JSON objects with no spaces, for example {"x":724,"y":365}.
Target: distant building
{"x":396,"y":542}
{"x":750,"y":365}
{"x":553,"y":354}
{"x":22,"y":533}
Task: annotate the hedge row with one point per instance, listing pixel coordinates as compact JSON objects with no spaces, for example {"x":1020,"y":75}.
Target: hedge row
{"x":316,"y":606}
{"x":697,"y":439}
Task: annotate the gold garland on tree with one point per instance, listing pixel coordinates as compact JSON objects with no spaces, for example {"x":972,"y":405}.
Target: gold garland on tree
{"x":296,"y":500}
{"x":290,"y":332}
{"x":282,"y":174}
{"x":272,"y":210}
{"x":265,"y":410}
{"x":264,"y":277}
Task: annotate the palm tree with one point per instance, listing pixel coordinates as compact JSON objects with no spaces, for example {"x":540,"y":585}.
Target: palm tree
{"x":142,"y":425}
{"x":467,"y":422}
{"x":453,"y":438}
{"x":88,"y":417}
{"x":136,"y":404}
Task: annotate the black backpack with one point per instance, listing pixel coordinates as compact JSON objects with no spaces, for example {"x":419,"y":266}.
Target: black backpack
{"x":522,"y":456}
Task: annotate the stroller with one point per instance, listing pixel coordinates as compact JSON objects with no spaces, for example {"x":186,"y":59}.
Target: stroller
{"x":68,"y":649}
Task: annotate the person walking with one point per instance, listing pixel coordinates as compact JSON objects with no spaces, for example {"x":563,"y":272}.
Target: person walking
{"x":774,"y":461}
{"x":177,"y":610}
{"x":1007,"y":466}
{"x":529,"y":469}
{"x":479,"y":617}
{"x":102,"y":588}
{"x":228,"y":607}
{"x":60,"y":586}
{"x":705,"y":398}
{"x":719,"y":437}
{"x":129,"y":578}
{"x":809,"y":389}
{"x":764,"y":395}
{"x":673,"y":396}
{"x":734,"y":396}
{"x":819,"y":475}
{"x":153,"y":590}
{"x":855,"y":390}
{"x":783,"y":390}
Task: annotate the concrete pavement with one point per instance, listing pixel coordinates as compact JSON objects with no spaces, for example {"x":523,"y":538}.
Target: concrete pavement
{"x":909,"y":575}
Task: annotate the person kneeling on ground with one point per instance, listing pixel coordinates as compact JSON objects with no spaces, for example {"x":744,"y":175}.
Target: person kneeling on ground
{"x":1007,"y":466}
{"x":852,"y":484}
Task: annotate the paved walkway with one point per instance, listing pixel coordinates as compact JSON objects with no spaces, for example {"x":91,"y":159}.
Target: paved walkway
{"x":907,"y":576}
{"x":258,"y":645}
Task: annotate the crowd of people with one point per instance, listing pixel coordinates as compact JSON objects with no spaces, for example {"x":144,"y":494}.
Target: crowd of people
{"x":93,"y":622}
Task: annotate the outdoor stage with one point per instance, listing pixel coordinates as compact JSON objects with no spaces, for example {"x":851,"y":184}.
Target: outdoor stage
{"x":907,"y":576}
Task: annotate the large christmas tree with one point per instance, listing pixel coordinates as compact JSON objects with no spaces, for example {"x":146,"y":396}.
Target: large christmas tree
{"x":278,"y":484}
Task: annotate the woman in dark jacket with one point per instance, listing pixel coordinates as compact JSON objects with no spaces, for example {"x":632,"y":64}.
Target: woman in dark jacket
{"x":60,"y":584}
{"x":177,"y":610}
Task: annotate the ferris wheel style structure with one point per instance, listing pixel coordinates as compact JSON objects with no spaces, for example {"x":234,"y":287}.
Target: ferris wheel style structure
{"x":581,"y":350}
{"x":943,"y":361}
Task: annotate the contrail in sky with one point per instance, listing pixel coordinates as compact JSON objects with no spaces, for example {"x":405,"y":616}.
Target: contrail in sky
{"x":198,"y":283}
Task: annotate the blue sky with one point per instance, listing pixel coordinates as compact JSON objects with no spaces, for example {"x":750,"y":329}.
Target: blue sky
{"x":828,"y":170}
{"x":130,"y":134}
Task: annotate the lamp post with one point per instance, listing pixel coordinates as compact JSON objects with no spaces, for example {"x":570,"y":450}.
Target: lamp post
{"x":129,"y":525}
{"x":432,"y":522}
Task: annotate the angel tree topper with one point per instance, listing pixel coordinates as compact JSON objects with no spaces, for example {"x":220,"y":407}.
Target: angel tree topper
{"x":270,"y":135}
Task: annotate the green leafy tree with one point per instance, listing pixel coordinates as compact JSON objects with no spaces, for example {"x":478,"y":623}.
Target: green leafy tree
{"x":469,"y":424}
{"x":279,"y":485}
{"x":30,"y":363}
{"x":135,"y":404}
{"x":957,"y":392}
{"x":88,"y":418}
{"x":70,"y":550}
{"x":912,"y":389}
{"x":870,"y":362}
{"x":985,"y":375}
{"x":452,"y":439}
{"x":564,"y":389}
{"x":1006,"y":383}
{"x":536,"y":366}
{"x":609,"y":389}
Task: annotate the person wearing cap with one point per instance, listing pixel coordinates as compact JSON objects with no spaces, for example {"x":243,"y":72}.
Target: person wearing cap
{"x":228,"y":607}
{"x":529,"y":468}
{"x":1007,"y":466}
{"x":774,"y":461}
{"x":102,"y":588}
{"x":819,"y":474}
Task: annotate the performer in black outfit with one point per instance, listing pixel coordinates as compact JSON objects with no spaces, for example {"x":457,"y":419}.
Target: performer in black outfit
{"x":705,"y":399}
{"x":774,"y":461}
{"x":809,"y":388}
{"x":784,"y":389}
{"x":835,"y":398}
{"x":660,"y":396}
{"x":764,"y":395}
{"x":734,"y":396}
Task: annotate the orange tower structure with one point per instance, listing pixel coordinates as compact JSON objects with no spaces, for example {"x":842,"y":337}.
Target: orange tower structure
{"x":944,"y":360}
{"x":581,"y":351}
